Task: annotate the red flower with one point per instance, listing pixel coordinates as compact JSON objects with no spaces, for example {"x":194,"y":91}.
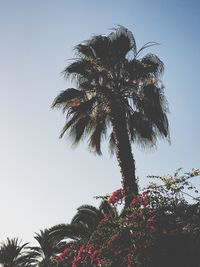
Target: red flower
{"x":95,"y":254}
{"x":59,"y":258}
{"x":142,"y":199}
{"x":116,"y":197}
{"x":90,"y":248}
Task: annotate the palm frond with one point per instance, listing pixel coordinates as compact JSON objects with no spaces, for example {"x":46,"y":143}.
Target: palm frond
{"x":123,"y":41}
{"x":153,"y":64}
{"x":155,"y":108}
{"x":79,"y":67}
{"x":112,"y":143}
{"x":100,"y":46}
{"x":65,"y":97}
{"x":78,"y":129}
{"x":95,"y":139}
{"x":88,"y":207}
{"x":85,"y":218}
{"x":72,"y":231}
{"x":149,"y":44}
{"x":84,"y":50}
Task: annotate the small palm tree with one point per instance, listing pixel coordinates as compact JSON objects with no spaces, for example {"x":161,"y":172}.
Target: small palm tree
{"x":12,"y":253}
{"x":42,"y":255}
{"x":83,"y":223}
{"x":116,"y":90}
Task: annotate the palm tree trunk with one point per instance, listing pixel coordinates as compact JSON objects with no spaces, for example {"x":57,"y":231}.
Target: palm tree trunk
{"x":124,"y":155}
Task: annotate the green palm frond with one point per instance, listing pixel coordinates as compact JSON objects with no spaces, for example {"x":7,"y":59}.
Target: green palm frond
{"x":88,"y":207}
{"x":112,"y":144}
{"x":90,"y":216}
{"x":123,"y":41}
{"x":77,"y":130}
{"x":145,"y":46}
{"x":11,"y":252}
{"x":71,"y":231}
{"x":153,"y":65}
{"x":85,"y":218}
{"x":84,"y":51}
{"x":99,"y":131}
{"x":67,"y":97}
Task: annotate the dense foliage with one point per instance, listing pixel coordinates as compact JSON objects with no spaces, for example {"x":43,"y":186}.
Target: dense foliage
{"x":160,"y":228}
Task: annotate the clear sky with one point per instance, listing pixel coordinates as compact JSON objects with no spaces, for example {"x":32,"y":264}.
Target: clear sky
{"x":42,"y":179}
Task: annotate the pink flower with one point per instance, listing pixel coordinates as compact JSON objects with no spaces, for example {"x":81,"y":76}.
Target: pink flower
{"x":81,"y":249}
{"x":142,"y":199}
{"x":74,"y":264}
{"x":116,"y":196}
{"x":95,"y":254}
{"x":59,"y":258}
{"x":90,"y":248}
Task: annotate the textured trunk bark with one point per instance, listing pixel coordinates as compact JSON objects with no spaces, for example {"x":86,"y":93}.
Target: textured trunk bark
{"x":124,"y":155}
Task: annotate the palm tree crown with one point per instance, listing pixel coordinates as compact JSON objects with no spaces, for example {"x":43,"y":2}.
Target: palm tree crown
{"x":83,"y":224}
{"x":12,"y":253}
{"x":43,"y":254}
{"x":117,"y":92}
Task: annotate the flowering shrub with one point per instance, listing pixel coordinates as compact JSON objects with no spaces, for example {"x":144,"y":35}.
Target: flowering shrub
{"x":160,"y":228}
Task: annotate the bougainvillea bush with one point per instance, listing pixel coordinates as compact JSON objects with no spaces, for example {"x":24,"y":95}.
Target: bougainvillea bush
{"x":161,"y":228}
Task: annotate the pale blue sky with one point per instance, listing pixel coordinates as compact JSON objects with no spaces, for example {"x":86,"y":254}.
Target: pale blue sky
{"x":43,"y":180}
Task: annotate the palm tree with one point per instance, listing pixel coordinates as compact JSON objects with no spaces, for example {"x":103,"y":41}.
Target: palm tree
{"x":12,"y":253}
{"x":119,"y":91}
{"x":43,"y":254}
{"x":90,"y":216}
{"x":83,"y":223}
